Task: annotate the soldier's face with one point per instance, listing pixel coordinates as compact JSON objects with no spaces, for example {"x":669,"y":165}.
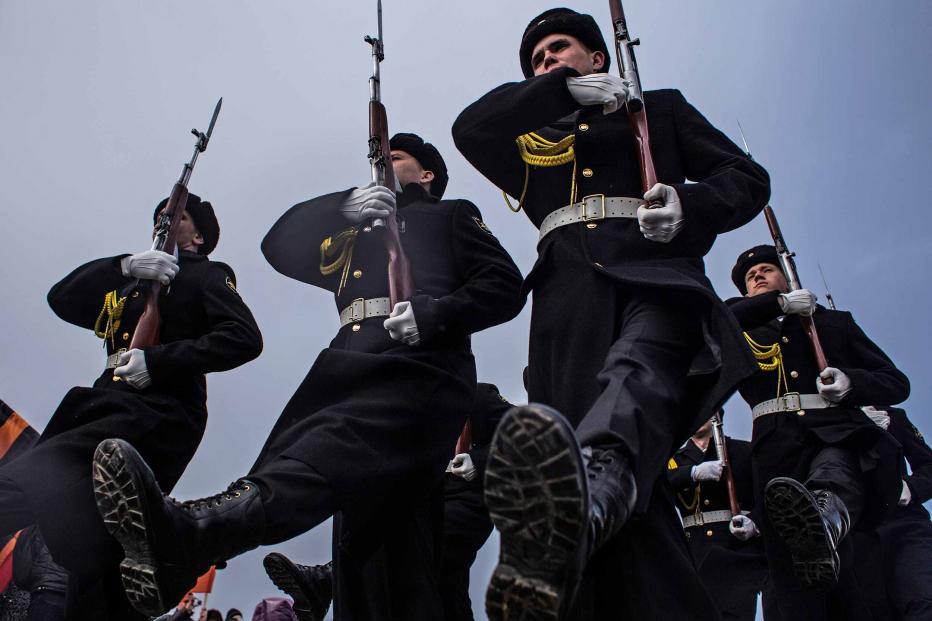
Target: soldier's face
{"x":409,"y":170}
{"x":561,"y":50}
{"x":188,"y":238}
{"x":764,"y":277}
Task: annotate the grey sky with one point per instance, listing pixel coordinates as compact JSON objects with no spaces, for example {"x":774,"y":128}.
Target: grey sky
{"x":98,"y":99}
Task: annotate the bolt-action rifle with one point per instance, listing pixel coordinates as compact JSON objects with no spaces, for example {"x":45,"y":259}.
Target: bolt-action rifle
{"x":166,"y":233}
{"x":789,"y":270}
{"x":400,"y":280}
{"x":721,"y":449}
{"x":628,"y":67}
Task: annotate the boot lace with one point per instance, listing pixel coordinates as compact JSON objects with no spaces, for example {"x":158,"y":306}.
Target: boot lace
{"x":233,"y":491}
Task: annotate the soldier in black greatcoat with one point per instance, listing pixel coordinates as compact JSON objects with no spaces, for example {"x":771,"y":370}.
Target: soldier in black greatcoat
{"x":628,"y":339}
{"x":160,"y":402}
{"x":466,"y":526}
{"x":733,"y":571}
{"x":894,"y":563}
{"x":820,"y":465}
{"x":369,"y":432}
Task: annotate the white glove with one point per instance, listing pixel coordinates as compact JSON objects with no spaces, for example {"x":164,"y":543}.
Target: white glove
{"x":461,"y":465}
{"x":371,"y":201}
{"x":799,"y":302}
{"x":834,"y":384}
{"x":743,"y":527}
{"x":599,"y":88}
{"x":131,"y":367}
{"x":878,"y":417}
{"x":401,"y":325}
{"x":707,"y":471}
{"x":150,"y":265}
{"x":661,"y":224}
{"x":905,"y":495}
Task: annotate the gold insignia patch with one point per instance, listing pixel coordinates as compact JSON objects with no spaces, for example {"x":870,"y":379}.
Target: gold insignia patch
{"x":232,"y":285}
{"x":482,"y":225}
{"x":918,"y":433}
{"x":672,"y":465}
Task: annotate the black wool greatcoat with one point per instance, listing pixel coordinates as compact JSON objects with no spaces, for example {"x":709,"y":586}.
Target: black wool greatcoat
{"x":205,"y":327}
{"x":573,"y":327}
{"x":377,"y":418}
{"x":785,"y":443}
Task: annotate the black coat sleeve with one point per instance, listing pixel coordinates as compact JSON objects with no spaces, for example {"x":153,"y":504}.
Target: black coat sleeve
{"x":874,"y":379}
{"x":730,"y":188}
{"x":753,"y":312}
{"x":232,"y":337}
{"x":485,"y":132}
{"x":491,"y":289}
{"x":917,"y":453}
{"x":77,"y":298}
{"x":679,"y":468}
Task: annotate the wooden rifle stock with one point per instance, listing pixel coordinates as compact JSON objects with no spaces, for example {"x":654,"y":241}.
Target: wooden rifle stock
{"x":464,"y":442}
{"x":146,"y":333}
{"x":628,"y":68}
{"x":792,"y":279}
{"x":718,"y":436}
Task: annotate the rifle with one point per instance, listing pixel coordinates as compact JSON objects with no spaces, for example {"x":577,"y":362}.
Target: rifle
{"x":400,"y":280}
{"x":628,"y":68}
{"x":828,"y":294}
{"x":789,"y":270}
{"x":718,"y":436}
{"x":166,"y":232}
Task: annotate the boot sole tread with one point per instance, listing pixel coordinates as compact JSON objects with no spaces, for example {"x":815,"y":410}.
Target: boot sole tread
{"x":282,"y":573}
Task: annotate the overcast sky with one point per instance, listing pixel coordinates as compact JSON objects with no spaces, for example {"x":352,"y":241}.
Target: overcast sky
{"x":98,"y":98}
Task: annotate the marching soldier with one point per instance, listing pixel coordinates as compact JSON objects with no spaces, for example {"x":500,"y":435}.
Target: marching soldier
{"x":900,"y":585}
{"x":465,"y":528}
{"x":369,"y":432}
{"x":155,"y":398}
{"x":820,"y":465}
{"x":733,"y":571}
{"x":628,"y":340}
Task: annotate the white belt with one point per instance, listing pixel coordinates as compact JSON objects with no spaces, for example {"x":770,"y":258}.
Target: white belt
{"x":589,"y":209}
{"x":790,"y":402}
{"x":708,"y":517}
{"x":363,"y":309}
{"x":114,"y":359}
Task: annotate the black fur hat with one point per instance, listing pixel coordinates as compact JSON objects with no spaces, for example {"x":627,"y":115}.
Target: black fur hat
{"x":428,"y":156}
{"x":563,"y":21}
{"x":748,"y":259}
{"x":204,"y":218}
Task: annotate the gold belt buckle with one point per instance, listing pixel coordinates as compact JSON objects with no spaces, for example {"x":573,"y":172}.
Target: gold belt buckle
{"x":789,"y":400}
{"x":354,"y":316}
{"x":585,"y":212}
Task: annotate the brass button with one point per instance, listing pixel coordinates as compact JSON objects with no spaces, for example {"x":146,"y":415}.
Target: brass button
{"x":794,"y":374}
{"x":785,"y":340}
{"x":584,"y":127}
{"x":367,"y":229}
{"x":592,"y":225}
{"x":801,"y":413}
{"x":706,"y":502}
{"x":357,"y":274}
{"x":135,"y":294}
{"x":126,"y":336}
{"x":356,"y":327}
{"x":708,"y":533}
{"x":598,"y":265}
{"x":587,"y":172}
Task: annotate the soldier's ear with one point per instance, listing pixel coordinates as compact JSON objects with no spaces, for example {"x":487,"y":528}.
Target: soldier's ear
{"x":427,"y":176}
{"x":598,"y":60}
{"x":198,"y":239}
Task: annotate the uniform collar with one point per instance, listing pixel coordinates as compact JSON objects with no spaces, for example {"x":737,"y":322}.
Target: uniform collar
{"x":413,"y":193}
{"x":188,"y":256}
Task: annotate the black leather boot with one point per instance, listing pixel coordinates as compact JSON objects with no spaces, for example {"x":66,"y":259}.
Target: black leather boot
{"x":167,"y":543}
{"x":553,"y":508}
{"x":812,"y":524}
{"x":310,"y":586}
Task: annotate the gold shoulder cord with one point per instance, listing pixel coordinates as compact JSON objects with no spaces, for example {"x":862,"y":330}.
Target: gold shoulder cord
{"x":535,"y":150}
{"x":340,"y":245}
{"x":113,"y":311}
{"x":769,"y":359}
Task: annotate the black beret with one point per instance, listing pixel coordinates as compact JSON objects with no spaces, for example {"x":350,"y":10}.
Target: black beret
{"x":204,"y":218}
{"x":562,"y":21}
{"x":427,"y":155}
{"x":748,"y":259}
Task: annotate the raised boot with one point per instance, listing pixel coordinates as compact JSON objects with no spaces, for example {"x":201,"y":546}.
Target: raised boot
{"x":310,"y":586}
{"x":552,"y":509}
{"x":812,"y":524}
{"x":167,"y":543}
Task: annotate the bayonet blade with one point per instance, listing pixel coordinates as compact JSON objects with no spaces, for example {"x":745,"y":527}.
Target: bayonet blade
{"x":380,"y":19}
{"x":213,"y":119}
{"x":747,"y":150}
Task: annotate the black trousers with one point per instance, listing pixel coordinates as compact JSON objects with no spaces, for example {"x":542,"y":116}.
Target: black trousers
{"x":466,"y":526}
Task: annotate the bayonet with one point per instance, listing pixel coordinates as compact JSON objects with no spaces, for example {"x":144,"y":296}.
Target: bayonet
{"x":828,"y":294}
